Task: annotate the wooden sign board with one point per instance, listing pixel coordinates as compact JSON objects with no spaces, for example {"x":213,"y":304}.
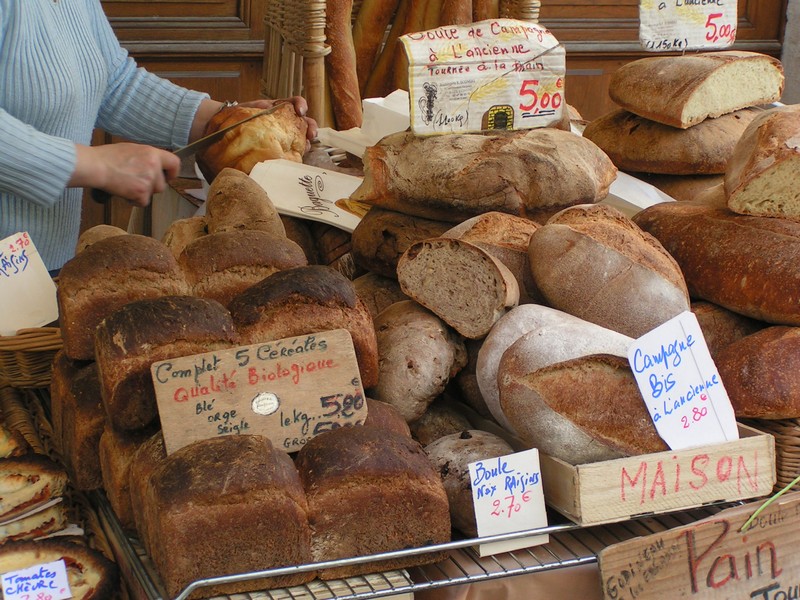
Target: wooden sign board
{"x":288,"y":390}
{"x":711,"y":558}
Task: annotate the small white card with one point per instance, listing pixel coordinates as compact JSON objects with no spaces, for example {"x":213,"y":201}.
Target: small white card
{"x":678,"y":25}
{"x":309,"y":192}
{"x":492,"y":74}
{"x":681,"y":386}
{"x":27,"y":292}
{"x":508,"y":497}
{"x":47,"y":581}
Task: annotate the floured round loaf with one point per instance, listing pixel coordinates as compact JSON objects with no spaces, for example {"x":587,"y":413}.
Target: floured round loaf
{"x":452,"y":455}
{"x":581,"y":410}
{"x":682,"y":91}
{"x":555,"y":336}
{"x":378,"y":292}
{"x":761,"y":374}
{"x":456,"y":176}
{"x":418,"y":353}
{"x":306,"y":300}
{"x":235,"y":202}
{"x":763,"y":177}
{"x":281,"y":134}
{"x":220,"y":266}
{"x":97,"y":233}
{"x":443,"y":417}
{"x":141,"y":333}
{"x":463,"y":284}
{"x":634,"y":143}
{"x":593,"y":262}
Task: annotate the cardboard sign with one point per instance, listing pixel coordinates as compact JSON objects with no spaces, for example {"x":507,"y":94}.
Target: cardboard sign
{"x":493,"y":74}
{"x":681,"y":385}
{"x":678,"y":25}
{"x":310,"y":193}
{"x":27,"y":292}
{"x":711,"y":558}
{"x":507,"y":496}
{"x":288,"y":390}
{"x":47,"y":581}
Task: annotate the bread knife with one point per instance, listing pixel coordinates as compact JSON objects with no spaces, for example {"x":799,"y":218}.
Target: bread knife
{"x":103,"y":196}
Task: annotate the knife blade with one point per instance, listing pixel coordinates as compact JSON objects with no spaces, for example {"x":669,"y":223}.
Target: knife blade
{"x":102,"y":196}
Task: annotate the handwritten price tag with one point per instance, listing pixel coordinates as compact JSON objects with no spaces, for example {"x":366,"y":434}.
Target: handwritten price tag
{"x":681,"y":385}
{"x":27,"y":292}
{"x":508,"y":497}
{"x":288,"y":390}
{"x":677,"y":25}
{"x":493,"y":74}
{"x":40,"y":582}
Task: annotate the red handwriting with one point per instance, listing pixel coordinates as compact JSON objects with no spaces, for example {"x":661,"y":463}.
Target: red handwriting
{"x":509,"y":505}
{"x":293,"y":371}
{"x":215,"y":384}
{"x":659,"y":479}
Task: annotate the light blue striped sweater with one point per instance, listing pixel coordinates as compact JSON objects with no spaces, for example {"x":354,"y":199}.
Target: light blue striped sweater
{"x":62,"y":73}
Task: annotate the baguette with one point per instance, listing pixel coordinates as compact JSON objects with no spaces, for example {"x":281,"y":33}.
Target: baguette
{"x":379,"y":82}
{"x":341,"y":65}
{"x":415,"y":21}
{"x":456,"y":12}
{"x":368,"y":31}
{"x":485,"y":9}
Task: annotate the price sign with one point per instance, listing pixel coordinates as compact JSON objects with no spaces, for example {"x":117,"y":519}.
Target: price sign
{"x":493,"y":74}
{"x":40,"y":582}
{"x":507,"y":496}
{"x":681,"y":386}
{"x":677,"y":25}
{"x":288,"y":390}
{"x":27,"y":292}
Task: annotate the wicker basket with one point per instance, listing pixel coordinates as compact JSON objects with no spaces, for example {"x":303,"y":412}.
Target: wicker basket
{"x":787,"y":447}
{"x":26,"y":359}
{"x":295,"y":48}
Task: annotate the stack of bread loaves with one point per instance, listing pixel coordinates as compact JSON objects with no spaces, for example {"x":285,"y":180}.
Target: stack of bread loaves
{"x":681,"y":116}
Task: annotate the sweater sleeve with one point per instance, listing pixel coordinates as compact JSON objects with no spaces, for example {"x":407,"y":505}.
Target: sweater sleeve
{"x":33,"y":165}
{"x":139,"y":105}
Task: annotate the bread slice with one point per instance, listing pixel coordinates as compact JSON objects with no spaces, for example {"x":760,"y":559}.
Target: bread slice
{"x":763,"y":176}
{"x":684,"y":90}
{"x":463,"y":284}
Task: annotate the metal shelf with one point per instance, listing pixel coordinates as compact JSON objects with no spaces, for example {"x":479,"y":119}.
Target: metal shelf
{"x":569,"y":545}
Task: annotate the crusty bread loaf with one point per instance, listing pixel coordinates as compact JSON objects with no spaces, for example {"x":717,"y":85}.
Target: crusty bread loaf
{"x":601,"y":418}
{"x":225,"y":505}
{"x":281,"y":134}
{"x":106,"y":276}
{"x":371,"y":490}
{"x":62,"y":376}
{"x":464,"y":285}
{"x":550,"y":336}
{"x":235,"y":202}
{"x":466,"y":381}
{"x":761,"y":375}
{"x":379,"y":82}
{"x":681,"y":187}
{"x":298,"y":231}
{"x":378,"y":292}
{"x":682,"y":91}
{"x":340,"y":65}
{"x":587,"y":260}
{"x":456,"y":176}
{"x":763,"y":174}
{"x":506,"y":237}
{"x":452,"y":455}
{"x":384,"y":415}
{"x":220,"y":266}
{"x":743,"y":263}
{"x":441,"y":418}
{"x":181,"y":232}
{"x":91,"y":576}
{"x":381,"y":237}
{"x":141,"y":333}
{"x":721,"y":326}
{"x":369,"y":29}
{"x":96,"y":233}
{"x":146,"y":459}
{"x":27,"y":481}
{"x":418,"y":353}
{"x":634,"y":143}
{"x":307,"y":300}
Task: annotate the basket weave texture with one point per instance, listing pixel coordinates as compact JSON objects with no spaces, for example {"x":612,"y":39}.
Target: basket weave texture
{"x":787,"y":447}
{"x":26,"y":359}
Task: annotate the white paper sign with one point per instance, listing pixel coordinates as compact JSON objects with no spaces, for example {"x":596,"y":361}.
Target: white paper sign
{"x":508,"y":497}
{"x":309,"y":192}
{"x":40,"y":582}
{"x":677,"y":25}
{"x":493,"y":74}
{"x":681,"y":385}
{"x":27,"y":292}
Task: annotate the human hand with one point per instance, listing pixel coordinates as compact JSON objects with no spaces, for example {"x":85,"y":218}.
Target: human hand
{"x":132,"y":171}
{"x":300,"y":107}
